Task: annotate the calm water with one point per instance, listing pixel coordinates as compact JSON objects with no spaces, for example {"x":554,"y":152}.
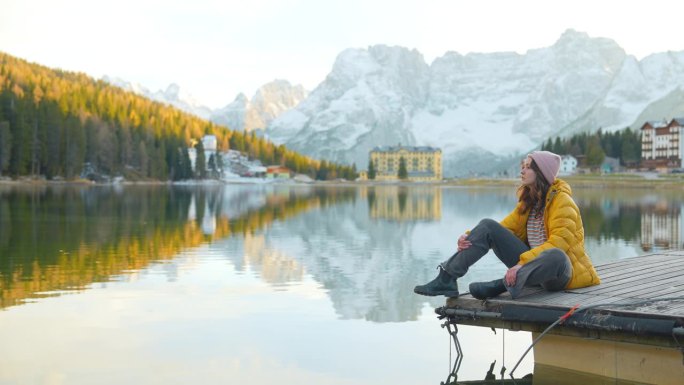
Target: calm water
{"x":263,"y":284}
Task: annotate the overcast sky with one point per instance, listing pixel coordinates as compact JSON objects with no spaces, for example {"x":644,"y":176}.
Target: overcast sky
{"x":216,"y":48}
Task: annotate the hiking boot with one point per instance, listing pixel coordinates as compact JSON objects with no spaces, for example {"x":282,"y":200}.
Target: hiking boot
{"x":484,"y":290}
{"x":444,"y":285}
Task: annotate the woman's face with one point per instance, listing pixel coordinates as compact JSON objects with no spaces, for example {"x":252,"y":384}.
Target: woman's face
{"x":527,"y":175}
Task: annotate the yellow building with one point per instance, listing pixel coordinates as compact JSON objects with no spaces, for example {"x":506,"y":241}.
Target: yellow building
{"x":422,"y":163}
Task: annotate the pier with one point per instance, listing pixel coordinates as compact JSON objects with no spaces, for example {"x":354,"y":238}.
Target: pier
{"x":630,"y":327}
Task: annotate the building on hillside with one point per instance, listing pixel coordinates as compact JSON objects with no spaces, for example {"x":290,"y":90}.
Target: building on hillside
{"x":422,"y":163}
{"x":210,"y":143}
{"x":276,"y":172}
{"x":568,"y":165}
{"x":661,"y":147}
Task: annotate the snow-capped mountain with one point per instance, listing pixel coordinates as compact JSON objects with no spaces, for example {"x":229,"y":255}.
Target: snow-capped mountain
{"x":269,"y":102}
{"x":173,"y":95}
{"x":480,"y":109}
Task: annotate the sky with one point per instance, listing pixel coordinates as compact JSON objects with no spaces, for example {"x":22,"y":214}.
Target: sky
{"x":215,"y":49}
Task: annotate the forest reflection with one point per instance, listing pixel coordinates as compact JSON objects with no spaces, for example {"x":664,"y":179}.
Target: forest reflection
{"x":63,"y":238}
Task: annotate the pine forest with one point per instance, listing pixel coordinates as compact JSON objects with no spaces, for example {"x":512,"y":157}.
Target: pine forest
{"x":64,"y":125}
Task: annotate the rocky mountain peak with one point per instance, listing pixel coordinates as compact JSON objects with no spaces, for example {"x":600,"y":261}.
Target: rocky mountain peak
{"x":480,"y":109}
{"x":268,"y":102}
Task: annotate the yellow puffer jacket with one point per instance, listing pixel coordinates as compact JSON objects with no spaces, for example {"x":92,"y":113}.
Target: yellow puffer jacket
{"x":564,"y":230}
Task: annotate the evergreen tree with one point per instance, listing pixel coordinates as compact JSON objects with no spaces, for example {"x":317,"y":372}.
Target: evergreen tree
{"x":630,"y":153}
{"x":353,"y":173}
{"x":200,"y":161}
{"x":371,"y":170}
{"x":74,"y":147}
{"x":5,"y":146}
{"x":218,"y":164}
{"x":403,"y":173}
{"x":558,"y":146}
{"x":211,"y":166}
{"x":323,"y":172}
{"x":595,"y":154}
{"x":142,"y":158}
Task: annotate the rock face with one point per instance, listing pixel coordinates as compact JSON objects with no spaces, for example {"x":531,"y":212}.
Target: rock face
{"x":483,"y":110}
{"x":269,"y":102}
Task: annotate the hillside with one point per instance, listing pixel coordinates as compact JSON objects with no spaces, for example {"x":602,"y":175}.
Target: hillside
{"x":60,"y":124}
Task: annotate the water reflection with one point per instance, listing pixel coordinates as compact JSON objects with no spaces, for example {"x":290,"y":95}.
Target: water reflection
{"x":231,"y":273}
{"x":60,"y":239}
{"x":367,"y":246}
{"x":651,"y":220}
{"x":401,"y":203}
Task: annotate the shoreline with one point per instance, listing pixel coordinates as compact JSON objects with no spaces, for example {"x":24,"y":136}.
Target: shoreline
{"x":576,"y":181}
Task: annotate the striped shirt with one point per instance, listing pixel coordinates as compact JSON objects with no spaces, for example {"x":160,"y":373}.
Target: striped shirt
{"x":536,"y":234}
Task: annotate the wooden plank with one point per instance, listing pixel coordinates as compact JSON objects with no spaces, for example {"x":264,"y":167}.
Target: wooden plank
{"x":628,"y":281}
{"x":619,"y":283}
{"x":629,"y":261}
{"x":662,"y":265}
{"x":655,"y":258}
{"x":672,"y":285}
{"x":643,"y":289}
{"x":638,"y":264}
{"x":625,"y":270}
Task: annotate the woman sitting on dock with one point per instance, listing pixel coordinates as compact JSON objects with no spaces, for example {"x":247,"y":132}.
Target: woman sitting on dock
{"x":541,"y":241}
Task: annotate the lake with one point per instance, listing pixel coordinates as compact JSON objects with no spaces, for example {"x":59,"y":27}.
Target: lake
{"x":264,"y":284}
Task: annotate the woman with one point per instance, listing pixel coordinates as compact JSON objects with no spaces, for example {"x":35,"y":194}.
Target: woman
{"x":541,"y":241}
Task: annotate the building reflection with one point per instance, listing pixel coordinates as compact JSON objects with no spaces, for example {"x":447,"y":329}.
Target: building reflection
{"x":275,"y":266}
{"x":401,"y":203}
{"x":661,"y":226}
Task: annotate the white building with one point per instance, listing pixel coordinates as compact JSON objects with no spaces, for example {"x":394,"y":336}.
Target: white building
{"x":210,"y":144}
{"x":661,"y":147}
{"x":568,"y":165}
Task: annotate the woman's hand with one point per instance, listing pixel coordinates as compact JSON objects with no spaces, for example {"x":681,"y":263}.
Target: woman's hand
{"x":463,"y":242}
{"x":511,"y":275}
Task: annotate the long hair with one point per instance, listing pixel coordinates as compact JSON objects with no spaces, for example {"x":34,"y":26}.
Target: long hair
{"x":533,"y":195}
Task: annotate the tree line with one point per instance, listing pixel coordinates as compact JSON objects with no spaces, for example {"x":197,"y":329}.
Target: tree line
{"x":624,"y":145}
{"x":56,"y":123}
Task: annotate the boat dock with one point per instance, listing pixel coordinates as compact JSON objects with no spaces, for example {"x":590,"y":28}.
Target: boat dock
{"x":630,"y":327}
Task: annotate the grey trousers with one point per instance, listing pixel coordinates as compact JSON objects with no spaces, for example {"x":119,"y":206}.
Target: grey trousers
{"x":551,"y":269}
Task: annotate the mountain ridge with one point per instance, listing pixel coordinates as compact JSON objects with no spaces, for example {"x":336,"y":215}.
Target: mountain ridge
{"x":481,"y":109}
{"x":484,"y":110}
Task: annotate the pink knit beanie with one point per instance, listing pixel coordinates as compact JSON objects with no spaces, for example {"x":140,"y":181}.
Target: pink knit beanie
{"x":548,"y":163}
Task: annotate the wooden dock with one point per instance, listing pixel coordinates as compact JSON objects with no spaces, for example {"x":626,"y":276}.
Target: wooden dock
{"x":631,"y":326}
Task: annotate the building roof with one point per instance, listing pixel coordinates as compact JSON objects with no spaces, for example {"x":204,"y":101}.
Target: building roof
{"x":277,"y":169}
{"x":655,"y":123}
{"x":407,"y":148}
{"x":679,"y":121}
